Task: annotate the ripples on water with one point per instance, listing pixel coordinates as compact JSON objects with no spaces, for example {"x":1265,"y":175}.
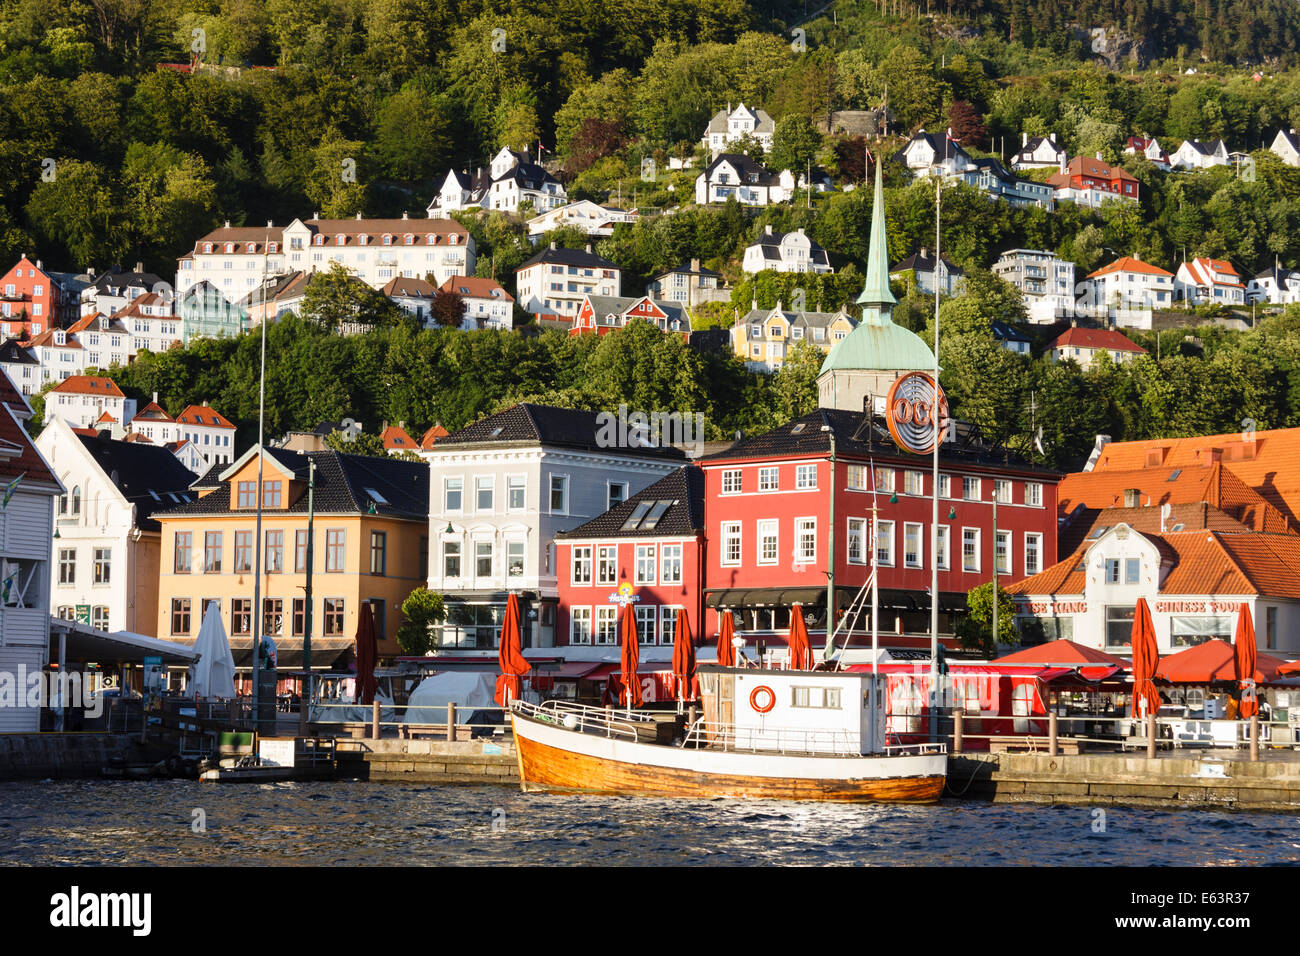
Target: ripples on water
{"x":358,"y":824}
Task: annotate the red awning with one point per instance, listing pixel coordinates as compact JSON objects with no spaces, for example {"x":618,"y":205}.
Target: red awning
{"x":1213,"y":661}
{"x":570,"y":670}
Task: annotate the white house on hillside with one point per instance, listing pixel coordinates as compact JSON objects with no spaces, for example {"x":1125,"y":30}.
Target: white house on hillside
{"x":931,"y":154}
{"x":1194,"y":154}
{"x":512,"y":180}
{"x":1039,"y":152}
{"x":1287,"y":147}
{"x":1045,"y":281}
{"x":592,"y":218}
{"x":736,"y":175}
{"x":1213,"y":281}
{"x":1277,"y":285}
{"x":556,"y":280}
{"x":1127,"y":292}
{"x":729,"y":125}
{"x":82,"y":400}
{"x":785,"y":252}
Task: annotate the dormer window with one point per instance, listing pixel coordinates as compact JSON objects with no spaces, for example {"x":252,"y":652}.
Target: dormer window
{"x":431,"y":238}
{"x":230,"y":247}
{"x":388,"y":240}
{"x":319,"y":241}
{"x":364,"y":239}
{"x":340,"y":239}
{"x":409,"y":239}
{"x":453,"y":239}
{"x":274,"y":247}
{"x":207,"y":247}
{"x":251,"y":247}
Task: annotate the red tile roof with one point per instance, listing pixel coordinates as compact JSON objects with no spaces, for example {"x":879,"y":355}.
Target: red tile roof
{"x":28,"y":462}
{"x":1129,"y":264}
{"x":395,"y":438}
{"x":203,"y":415}
{"x":474,"y":287}
{"x":1076,"y":337}
{"x":430,"y":437}
{"x":1264,"y":460}
{"x":153,"y":412}
{"x":9,"y":395}
{"x":89,"y":385}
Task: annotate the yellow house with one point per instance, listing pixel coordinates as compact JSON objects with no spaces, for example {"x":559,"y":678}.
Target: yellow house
{"x":762,"y":338}
{"x":370,"y":544}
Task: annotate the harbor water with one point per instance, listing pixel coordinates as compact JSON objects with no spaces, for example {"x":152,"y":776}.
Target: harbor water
{"x":175,"y":822}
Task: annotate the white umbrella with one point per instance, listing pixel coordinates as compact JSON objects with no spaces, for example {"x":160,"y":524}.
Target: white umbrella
{"x":214,"y":671}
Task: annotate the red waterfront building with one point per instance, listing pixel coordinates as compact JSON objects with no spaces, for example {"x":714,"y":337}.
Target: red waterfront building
{"x":647,"y":554}
{"x":32,"y":300}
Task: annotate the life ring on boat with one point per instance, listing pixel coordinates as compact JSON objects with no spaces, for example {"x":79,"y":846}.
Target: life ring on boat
{"x":754,"y":695}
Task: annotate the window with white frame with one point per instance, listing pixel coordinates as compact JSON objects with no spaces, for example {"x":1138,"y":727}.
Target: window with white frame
{"x":885,"y":480}
{"x":806,"y":538}
{"x":768,"y":478}
{"x":914,"y":482}
{"x":582,"y":564}
{"x":668,"y":623}
{"x":1002,"y":491}
{"x":607,"y":564}
{"x":885,"y":543}
{"x":670,"y":564}
{"x":515,"y":495}
{"x":856,"y":479}
{"x":1002,"y":552}
{"x":579,"y":625}
{"x":970,"y":549}
{"x":645,"y":623}
{"x":970,"y":488}
{"x":945,"y":486}
{"x":731,"y":482}
{"x":1033,"y":554}
{"x":912,"y":545}
{"x":645,"y":564}
{"x":484,"y":487}
{"x":857,"y":541}
{"x":768,"y":535}
{"x":805,"y":476}
{"x":483,"y":559}
{"x":731,"y":542}
{"x":616,"y":494}
{"x":941,"y":548}
{"x":1034,"y":494}
{"x":515,"y":558}
{"x":559,"y":494}
{"x":606,"y":624}
{"x":451,"y":559}
{"x":453,"y":494}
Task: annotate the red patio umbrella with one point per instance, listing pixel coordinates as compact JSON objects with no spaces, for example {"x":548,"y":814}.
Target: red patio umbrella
{"x":1146,"y":658}
{"x":1064,"y":652}
{"x":726,"y":632}
{"x":367,"y":655}
{"x":1245,"y":659}
{"x":683,"y":657}
{"x":800,"y":650}
{"x":1215,"y":661}
{"x":511,"y":656}
{"x":630,"y":659}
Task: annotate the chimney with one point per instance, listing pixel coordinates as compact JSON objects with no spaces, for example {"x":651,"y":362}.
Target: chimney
{"x":139,"y":267}
{"x":1052,"y":138}
{"x":90,"y":270}
{"x":552,"y":245}
{"x":767,"y":230}
{"x":588,"y":248}
{"x":695,"y":265}
{"x":1132,"y":498}
{"x":227,"y":223}
{"x":1024,"y":139}
{"x":1101,"y":442}
{"x":315,"y":214}
{"x":358,"y":217}
{"x":404,"y":214}
{"x":39,"y":264}
{"x":1099,"y":159}
{"x":155,"y":398}
{"x":270,"y":224}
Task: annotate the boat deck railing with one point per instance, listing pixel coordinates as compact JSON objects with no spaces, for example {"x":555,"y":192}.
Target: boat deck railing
{"x":793,"y":741}
{"x":601,"y":721}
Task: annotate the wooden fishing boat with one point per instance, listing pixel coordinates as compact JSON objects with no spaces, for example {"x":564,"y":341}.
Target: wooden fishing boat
{"x":769,"y":734}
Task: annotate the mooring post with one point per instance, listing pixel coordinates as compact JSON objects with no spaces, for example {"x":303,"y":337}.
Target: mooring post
{"x":1151,"y":735}
{"x":1052,"y":748}
{"x":374,"y":720}
{"x":451,"y":721}
{"x":958,"y":718}
{"x":1254,"y":737}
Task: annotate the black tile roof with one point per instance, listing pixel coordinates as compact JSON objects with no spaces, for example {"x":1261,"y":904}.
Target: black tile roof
{"x":13,"y":353}
{"x":209,"y":479}
{"x":343,"y":485}
{"x":545,"y":425}
{"x":569,"y":257}
{"x":943,"y":147}
{"x":804,"y":437}
{"x":750,"y":172}
{"x":148,"y":476}
{"x":685,"y":516}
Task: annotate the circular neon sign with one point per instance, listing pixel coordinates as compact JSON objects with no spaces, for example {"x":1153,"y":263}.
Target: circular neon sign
{"x":910,"y":409}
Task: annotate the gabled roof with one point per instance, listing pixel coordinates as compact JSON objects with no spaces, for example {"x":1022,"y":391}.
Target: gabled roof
{"x":686,"y":269}
{"x":1130,"y":264}
{"x":750,"y":172}
{"x":409,"y":287}
{"x":531,"y":424}
{"x":568,"y":257}
{"x":149,"y":476}
{"x":89,"y":385}
{"x":944,"y":147}
{"x":115,"y":281}
{"x":203,"y":415}
{"x":395,"y":438}
{"x":1280,"y":277}
{"x":1031,"y":145}
{"x":276,"y":288}
{"x":434,"y":434}
{"x":1096,"y":339}
{"x":11,"y":353}
{"x":476,"y":287}
{"x":620,"y":305}
{"x":11,"y":397}
{"x":18,"y":454}
{"x":1206,"y":149}
{"x":344,"y":484}
{"x":1005,"y":332}
{"x":682,"y":513}
{"x":924,"y":262}
{"x":720,"y":122}
{"x":1204,"y":271}
{"x":1092,"y":168}
{"x":153,"y":412}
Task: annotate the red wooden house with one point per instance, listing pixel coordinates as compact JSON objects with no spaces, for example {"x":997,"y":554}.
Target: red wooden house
{"x":31,"y":301}
{"x":601,"y":314}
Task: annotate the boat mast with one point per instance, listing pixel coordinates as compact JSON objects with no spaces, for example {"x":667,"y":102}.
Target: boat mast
{"x":934,"y":515}
{"x":257,"y":534}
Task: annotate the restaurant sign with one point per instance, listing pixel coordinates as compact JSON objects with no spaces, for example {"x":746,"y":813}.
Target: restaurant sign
{"x":1196,"y":607}
{"x":624,"y":595}
{"x":1055,"y":608}
{"x":910,"y":412}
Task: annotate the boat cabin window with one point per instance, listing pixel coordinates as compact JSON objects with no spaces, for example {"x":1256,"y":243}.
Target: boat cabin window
{"x":827,"y":698}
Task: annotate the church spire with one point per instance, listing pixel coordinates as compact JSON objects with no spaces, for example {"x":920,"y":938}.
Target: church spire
{"x":876,"y":297}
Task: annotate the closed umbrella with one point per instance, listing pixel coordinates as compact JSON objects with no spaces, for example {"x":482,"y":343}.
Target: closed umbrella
{"x":1146,"y":658}
{"x":683,"y":657}
{"x":1245,"y":659}
{"x":367,"y":655}
{"x":213,"y":674}
{"x":630,"y":656}
{"x":511,"y":656}
{"x":800,"y":650}
{"x":726,"y":632}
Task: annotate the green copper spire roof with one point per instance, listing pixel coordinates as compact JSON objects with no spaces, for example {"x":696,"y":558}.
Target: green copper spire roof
{"x":876,"y":290}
